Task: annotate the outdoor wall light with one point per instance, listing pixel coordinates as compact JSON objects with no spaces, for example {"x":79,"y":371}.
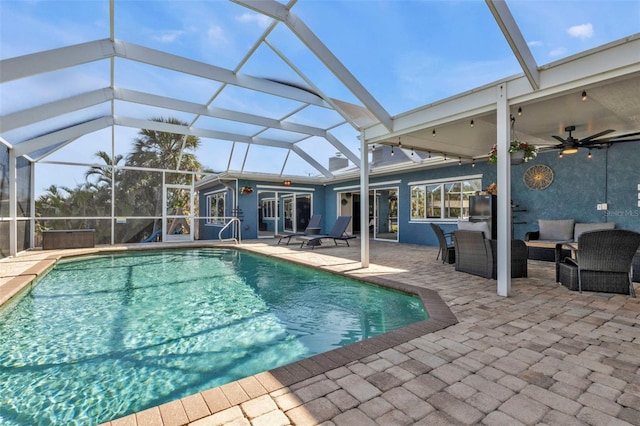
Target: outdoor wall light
{"x":519,"y":111}
{"x":433,"y":133}
{"x":286,"y":182}
{"x":471,"y":124}
{"x":584,"y":95}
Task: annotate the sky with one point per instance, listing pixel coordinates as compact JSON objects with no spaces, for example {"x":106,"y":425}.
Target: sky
{"x":406,"y":53}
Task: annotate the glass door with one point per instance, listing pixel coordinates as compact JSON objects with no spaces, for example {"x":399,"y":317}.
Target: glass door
{"x":267,"y":213}
{"x":178,"y":201}
{"x":384,"y":223}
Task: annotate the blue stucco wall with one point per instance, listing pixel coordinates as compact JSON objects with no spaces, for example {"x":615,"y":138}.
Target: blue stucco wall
{"x":610,"y":176}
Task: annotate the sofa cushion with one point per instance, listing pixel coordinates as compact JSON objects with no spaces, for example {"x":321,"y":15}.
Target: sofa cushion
{"x":586,"y":227}
{"x":464,"y":225}
{"x":556,"y":230}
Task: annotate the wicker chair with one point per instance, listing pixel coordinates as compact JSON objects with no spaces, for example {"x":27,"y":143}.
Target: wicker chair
{"x":477,"y":255}
{"x":603,"y":262}
{"x":447,"y":251}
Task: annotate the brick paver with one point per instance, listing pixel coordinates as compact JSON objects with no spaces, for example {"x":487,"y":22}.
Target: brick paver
{"x":544,"y":355}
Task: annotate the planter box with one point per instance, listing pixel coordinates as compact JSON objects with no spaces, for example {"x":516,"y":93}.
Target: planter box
{"x":65,"y":239}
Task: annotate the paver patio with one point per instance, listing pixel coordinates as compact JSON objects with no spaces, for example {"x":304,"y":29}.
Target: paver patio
{"x":544,"y":355}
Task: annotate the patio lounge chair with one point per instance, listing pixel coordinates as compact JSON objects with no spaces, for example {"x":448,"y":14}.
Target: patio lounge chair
{"x":447,"y":250}
{"x":156,"y":234}
{"x":313,"y":225}
{"x":603,"y":262}
{"x":337,"y":233}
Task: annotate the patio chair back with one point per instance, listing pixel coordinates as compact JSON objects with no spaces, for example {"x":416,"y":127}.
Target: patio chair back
{"x":314,"y":222}
{"x":340,"y":227}
{"x":607,"y":250}
{"x":446,"y":249}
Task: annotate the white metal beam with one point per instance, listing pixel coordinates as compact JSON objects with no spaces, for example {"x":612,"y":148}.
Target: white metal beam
{"x":311,"y":161}
{"x":504,"y":199}
{"x":55,"y":59}
{"x":342,"y":148}
{"x":53,"y":109}
{"x":60,"y":136}
{"x":137,"y":123}
{"x":280,"y":12}
{"x":189,"y":66}
{"x":514,"y":37}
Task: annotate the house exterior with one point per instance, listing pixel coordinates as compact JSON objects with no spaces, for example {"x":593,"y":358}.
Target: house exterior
{"x":406,"y":202}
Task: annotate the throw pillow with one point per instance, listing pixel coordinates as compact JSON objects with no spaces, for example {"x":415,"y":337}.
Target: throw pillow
{"x":586,"y":227}
{"x":556,"y":230}
{"x":475,"y":226}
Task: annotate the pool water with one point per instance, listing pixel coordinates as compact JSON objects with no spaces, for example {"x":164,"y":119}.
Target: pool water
{"x":104,"y":336}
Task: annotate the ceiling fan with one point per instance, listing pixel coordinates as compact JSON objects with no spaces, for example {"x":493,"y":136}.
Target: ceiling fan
{"x":570,"y":145}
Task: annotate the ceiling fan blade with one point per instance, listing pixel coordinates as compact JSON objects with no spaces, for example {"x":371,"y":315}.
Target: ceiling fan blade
{"x":597,"y":135}
{"x":559,"y":139}
{"x":623,"y":138}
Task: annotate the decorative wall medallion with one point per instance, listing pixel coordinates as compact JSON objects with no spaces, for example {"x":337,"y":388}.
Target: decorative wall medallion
{"x":538,"y":177}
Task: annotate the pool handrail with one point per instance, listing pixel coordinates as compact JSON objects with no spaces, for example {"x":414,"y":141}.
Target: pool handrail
{"x":236,"y":240}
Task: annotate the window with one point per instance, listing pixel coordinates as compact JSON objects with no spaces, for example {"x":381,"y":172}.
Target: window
{"x":443,"y":200}
{"x":269,"y":208}
{"x":215,"y":208}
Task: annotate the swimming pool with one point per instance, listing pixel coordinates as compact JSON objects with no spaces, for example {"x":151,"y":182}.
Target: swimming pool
{"x":104,"y":336}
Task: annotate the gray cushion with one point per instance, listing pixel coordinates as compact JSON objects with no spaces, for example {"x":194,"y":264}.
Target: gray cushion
{"x":556,"y":230}
{"x":586,"y":227}
{"x":475,"y":226}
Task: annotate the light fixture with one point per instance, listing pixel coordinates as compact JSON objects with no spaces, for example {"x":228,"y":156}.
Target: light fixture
{"x":433,"y":133}
{"x":519,"y":111}
{"x":412,"y":152}
{"x":471,"y":124}
{"x":373,"y":147}
{"x":584,"y":95}
{"x":568,"y":151}
{"x":473,"y":162}
{"x":445,"y":156}
{"x":399,"y":142}
{"x":429,"y":154}
{"x":392,"y":153}
{"x":560,"y":154}
{"x":459,"y":161}
{"x":286,"y":182}
{"x":589,"y":155}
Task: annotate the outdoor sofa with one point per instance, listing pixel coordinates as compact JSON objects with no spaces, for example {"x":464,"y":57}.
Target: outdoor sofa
{"x":542,"y":243}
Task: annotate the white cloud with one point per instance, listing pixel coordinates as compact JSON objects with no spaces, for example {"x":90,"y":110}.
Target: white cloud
{"x":581,"y":31}
{"x":558,"y":52}
{"x":535,"y":43}
{"x":262,"y":20}
{"x":216,"y":35}
{"x":168,"y":36}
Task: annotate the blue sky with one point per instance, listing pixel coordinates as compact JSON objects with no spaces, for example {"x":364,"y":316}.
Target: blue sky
{"x":406,"y":53}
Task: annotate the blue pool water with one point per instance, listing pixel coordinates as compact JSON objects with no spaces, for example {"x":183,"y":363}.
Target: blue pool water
{"x":104,"y":336}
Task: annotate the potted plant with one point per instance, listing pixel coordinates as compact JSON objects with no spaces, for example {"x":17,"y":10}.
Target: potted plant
{"x":520,"y":152}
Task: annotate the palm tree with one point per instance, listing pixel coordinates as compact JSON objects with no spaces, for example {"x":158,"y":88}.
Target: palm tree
{"x":159,"y":150}
{"x":104,"y":174}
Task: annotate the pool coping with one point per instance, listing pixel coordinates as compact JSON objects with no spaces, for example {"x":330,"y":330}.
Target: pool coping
{"x":212,"y":401}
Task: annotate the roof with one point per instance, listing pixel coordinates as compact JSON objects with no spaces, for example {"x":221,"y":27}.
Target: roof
{"x":277,"y":89}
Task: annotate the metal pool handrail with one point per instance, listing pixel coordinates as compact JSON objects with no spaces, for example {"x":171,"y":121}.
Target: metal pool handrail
{"x":237,"y":240}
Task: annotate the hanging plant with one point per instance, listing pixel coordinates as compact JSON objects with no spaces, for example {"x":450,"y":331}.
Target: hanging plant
{"x":529,"y":151}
